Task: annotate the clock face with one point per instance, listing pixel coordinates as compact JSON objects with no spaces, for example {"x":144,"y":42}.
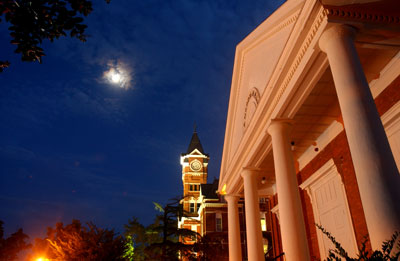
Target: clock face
{"x":195,"y":165}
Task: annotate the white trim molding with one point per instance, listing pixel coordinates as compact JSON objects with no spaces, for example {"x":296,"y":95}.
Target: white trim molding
{"x":391,"y":118}
{"x":275,"y":210}
{"x":391,"y":123}
{"x":321,"y":177}
{"x":388,"y":74}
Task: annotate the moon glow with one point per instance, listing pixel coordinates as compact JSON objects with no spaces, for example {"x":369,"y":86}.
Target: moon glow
{"x":118,"y":74}
{"x":116,"y":77}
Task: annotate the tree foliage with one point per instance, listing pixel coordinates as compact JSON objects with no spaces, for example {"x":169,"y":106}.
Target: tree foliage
{"x":31,"y":22}
{"x":172,"y":245}
{"x":11,"y":246}
{"x":211,"y":247}
{"x":78,"y":242}
{"x":390,"y":250}
{"x":141,"y":236}
{"x":162,"y":240}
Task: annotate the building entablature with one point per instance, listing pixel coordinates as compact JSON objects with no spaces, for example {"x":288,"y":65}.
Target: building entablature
{"x":188,"y":221}
{"x":186,"y":158}
{"x":313,"y":126}
{"x":296,"y":82}
{"x":193,"y":173}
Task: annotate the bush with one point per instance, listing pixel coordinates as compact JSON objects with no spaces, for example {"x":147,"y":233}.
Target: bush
{"x":339,"y":253}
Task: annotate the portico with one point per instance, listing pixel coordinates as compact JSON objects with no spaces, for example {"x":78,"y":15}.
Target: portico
{"x":303,"y":81}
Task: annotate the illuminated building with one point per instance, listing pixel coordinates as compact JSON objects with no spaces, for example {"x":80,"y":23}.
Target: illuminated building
{"x":313,"y":119}
{"x":205,"y":210}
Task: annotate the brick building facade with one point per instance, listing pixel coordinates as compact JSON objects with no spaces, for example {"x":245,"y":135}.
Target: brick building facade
{"x":205,"y":210}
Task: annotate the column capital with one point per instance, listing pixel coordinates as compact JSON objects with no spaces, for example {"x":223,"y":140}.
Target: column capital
{"x":249,"y":171}
{"x":336,"y":32}
{"x":232,"y":198}
{"x":280,"y":125}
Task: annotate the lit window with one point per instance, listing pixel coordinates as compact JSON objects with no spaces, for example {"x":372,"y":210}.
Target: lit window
{"x":218,"y":221}
{"x":266,"y":245}
{"x":219,"y":224}
{"x":263,"y":224}
{"x":191,"y":208}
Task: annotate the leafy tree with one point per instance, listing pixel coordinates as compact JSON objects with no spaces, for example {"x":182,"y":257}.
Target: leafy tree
{"x":141,"y":236}
{"x":129,"y":253}
{"x":210,"y":247}
{"x":162,"y":240}
{"x":78,"y":242}
{"x":11,"y":246}
{"x":172,"y":245}
{"x":390,"y":250}
{"x":34,"y":21}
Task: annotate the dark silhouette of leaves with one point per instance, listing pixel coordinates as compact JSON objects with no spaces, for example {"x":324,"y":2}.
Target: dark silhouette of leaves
{"x":31,"y":22}
{"x":78,"y":242}
{"x":390,"y":251}
{"x":11,"y":246}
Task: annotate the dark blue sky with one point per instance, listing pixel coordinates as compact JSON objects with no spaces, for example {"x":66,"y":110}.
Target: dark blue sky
{"x":75,"y":146}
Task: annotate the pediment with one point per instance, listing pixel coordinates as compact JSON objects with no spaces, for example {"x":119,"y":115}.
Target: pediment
{"x":257,"y":57}
{"x":195,"y":152}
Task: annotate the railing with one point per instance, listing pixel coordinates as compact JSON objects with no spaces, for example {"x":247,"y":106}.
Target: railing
{"x":273,"y":258}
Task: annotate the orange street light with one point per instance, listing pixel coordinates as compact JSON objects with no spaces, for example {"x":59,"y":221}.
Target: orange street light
{"x":42,"y":259}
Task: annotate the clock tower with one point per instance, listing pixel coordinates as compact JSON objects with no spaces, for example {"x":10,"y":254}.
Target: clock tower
{"x":194,"y":173}
{"x":204,"y":209}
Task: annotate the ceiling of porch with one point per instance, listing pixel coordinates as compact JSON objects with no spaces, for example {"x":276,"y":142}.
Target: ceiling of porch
{"x":321,"y":108}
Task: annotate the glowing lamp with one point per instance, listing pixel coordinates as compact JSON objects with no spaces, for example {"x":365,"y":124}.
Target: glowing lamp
{"x":223,"y":190}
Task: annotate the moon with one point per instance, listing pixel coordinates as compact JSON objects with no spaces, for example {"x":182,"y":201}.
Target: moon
{"x":116,"y":77}
{"x":118,"y":74}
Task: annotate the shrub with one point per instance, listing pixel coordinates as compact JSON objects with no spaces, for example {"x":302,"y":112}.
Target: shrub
{"x":388,"y":252}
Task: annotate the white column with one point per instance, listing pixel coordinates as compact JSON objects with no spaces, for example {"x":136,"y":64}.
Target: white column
{"x":377,"y":175}
{"x":235,"y":247}
{"x":255,"y":249}
{"x":294,"y":237}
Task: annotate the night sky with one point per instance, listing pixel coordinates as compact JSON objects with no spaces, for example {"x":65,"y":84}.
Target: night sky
{"x":73,"y":145}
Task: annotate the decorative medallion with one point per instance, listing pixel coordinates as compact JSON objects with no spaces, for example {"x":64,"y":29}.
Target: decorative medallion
{"x":195,"y":165}
{"x":251,"y":105}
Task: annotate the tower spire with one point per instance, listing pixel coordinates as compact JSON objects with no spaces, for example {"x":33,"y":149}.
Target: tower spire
{"x":195,"y":142}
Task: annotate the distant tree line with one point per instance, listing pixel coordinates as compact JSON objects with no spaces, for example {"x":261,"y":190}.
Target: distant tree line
{"x":161,"y":240}
{"x":12,"y":245}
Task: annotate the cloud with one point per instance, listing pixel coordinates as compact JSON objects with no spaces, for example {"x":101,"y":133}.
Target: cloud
{"x":16,"y":153}
{"x":28,"y":106}
{"x":165,"y":38}
{"x":91,"y":103}
{"x":86,"y":143}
